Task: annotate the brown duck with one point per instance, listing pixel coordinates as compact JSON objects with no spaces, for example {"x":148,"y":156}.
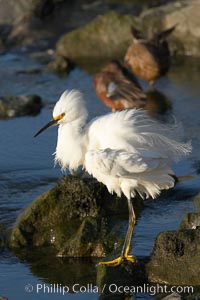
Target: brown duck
{"x":149,"y":59}
{"x":118,"y":88}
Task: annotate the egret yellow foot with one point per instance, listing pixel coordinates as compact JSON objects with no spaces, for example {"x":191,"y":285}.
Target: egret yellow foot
{"x":117,"y":261}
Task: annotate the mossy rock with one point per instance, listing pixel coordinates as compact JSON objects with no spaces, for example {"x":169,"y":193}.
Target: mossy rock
{"x":106,"y":36}
{"x":73,"y":218}
{"x":175,"y":259}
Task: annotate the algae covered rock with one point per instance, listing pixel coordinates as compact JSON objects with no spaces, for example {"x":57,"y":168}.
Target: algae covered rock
{"x":17,"y":106}
{"x":106,"y":36}
{"x":73,"y":218}
{"x":176,"y":258}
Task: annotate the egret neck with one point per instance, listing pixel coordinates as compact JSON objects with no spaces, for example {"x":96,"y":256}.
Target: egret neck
{"x":70,"y":145}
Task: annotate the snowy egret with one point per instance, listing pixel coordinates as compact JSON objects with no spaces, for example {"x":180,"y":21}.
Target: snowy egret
{"x":127,"y":151}
{"x":118,"y":88}
{"x":149,"y":59}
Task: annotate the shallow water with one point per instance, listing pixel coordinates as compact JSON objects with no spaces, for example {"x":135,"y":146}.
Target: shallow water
{"x":27,"y":170}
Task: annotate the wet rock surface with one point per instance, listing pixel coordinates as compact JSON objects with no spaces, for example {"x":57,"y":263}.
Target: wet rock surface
{"x":17,"y":106}
{"x":74,"y":218}
{"x":175,"y":259}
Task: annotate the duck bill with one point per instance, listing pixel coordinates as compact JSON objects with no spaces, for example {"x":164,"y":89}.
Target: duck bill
{"x":50,"y":124}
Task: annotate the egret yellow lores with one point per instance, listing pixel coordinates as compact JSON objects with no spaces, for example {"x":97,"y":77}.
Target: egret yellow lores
{"x":127,"y":151}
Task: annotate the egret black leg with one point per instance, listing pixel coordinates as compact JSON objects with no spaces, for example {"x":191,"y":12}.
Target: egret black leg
{"x":126,"y":247}
{"x":127,"y":242}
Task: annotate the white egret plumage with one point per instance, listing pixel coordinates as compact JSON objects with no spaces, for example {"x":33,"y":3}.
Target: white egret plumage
{"x":127,"y":151}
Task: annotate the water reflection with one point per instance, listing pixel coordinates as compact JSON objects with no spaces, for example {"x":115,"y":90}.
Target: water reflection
{"x":78,"y":275}
{"x":56,"y":270}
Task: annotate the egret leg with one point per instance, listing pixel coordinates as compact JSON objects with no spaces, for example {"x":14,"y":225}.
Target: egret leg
{"x":126,"y":247}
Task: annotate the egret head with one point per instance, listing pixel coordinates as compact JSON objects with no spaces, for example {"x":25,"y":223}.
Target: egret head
{"x":70,"y":107}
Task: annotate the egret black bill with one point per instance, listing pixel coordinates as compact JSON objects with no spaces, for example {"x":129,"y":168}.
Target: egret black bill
{"x":51,"y":123}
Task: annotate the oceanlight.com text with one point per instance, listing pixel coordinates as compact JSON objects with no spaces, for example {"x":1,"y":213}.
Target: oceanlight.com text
{"x":43,"y":288}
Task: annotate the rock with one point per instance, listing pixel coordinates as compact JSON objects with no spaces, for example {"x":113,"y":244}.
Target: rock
{"x":107,"y":36}
{"x":74,"y":218}
{"x":3,"y":298}
{"x":190,"y":221}
{"x":185,"y":40}
{"x":175,"y":259}
{"x":17,"y":106}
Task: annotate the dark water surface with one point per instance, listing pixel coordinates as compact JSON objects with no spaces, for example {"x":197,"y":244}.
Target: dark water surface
{"x":27,"y":170}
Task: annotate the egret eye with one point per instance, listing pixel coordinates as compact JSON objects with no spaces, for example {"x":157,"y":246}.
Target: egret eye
{"x":60,"y":117}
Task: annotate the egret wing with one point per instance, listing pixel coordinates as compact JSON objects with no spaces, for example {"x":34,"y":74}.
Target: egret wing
{"x":128,"y":173}
{"x":119,"y":163}
{"x":133,"y":129}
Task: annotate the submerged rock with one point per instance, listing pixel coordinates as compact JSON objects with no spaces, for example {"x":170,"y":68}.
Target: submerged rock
{"x":17,"y":106}
{"x":175,"y":259}
{"x":74,"y":218}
